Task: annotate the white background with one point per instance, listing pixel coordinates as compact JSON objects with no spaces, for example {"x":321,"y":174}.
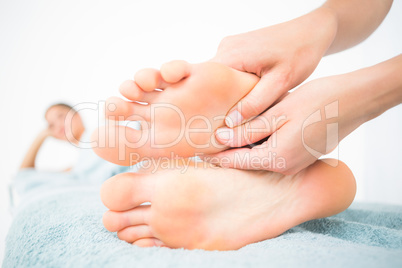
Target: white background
{"x":80,"y":51}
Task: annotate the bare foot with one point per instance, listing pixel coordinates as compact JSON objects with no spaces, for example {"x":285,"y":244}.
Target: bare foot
{"x":220,"y":209}
{"x":180,"y":120}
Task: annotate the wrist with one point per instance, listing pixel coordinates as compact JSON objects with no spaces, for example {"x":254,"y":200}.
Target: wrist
{"x":331,"y":16}
{"x":356,"y":20}
{"x":324,"y":23}
{"x":384,"y":86}
{"x":369,"y":92}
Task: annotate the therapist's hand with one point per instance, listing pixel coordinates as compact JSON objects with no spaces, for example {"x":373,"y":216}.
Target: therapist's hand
{"x":312,"y":120}
{"x":304,"y":125}
{"x":297,"y":130}
{"x":283,"y":55}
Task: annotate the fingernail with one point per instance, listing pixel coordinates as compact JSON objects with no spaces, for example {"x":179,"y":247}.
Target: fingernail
{"x":233,"y":119}
{"x":224,"y":134}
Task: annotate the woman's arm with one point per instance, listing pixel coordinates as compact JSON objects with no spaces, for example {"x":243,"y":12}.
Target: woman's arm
{"x":356,"y":20}
{"x":29,"y":159}
{"x":284,"y":55}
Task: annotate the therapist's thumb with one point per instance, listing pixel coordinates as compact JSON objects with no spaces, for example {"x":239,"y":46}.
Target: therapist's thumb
{"x":270,"y":88}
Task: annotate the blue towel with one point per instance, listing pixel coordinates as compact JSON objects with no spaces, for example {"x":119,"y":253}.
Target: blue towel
{"x":89,"y":170}
{"x":65,"y":230}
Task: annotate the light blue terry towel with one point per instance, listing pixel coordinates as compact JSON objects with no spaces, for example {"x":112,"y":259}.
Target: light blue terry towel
{"x":65,"y":230}
{"x":90,"y":170}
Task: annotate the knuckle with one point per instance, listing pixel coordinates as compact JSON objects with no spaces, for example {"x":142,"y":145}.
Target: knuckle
{"x":284,"y":78}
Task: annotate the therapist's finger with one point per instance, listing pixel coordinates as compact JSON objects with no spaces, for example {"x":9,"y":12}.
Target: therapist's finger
{"x":270,"y":88}
{"x":261,"y":157}
{"x":253,"y":131}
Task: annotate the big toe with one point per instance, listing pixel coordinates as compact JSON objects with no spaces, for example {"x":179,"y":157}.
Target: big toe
{"x":121,"y":145}
{"x":126,"y":191}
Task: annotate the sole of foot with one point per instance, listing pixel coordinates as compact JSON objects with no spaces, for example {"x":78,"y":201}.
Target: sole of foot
{"x":185,"y":104}
{"x":199,"y":206}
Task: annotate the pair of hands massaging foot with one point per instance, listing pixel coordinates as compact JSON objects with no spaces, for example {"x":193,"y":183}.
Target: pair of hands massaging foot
{"x":206,"y":206}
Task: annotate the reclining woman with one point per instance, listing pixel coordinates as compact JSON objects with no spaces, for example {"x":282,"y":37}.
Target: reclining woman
{"x":66,"y":124}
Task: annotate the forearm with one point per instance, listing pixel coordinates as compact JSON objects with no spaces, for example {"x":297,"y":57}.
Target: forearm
{"x":356,"y":20}
{"x":30,"y":157}
{"x":371,"y":91}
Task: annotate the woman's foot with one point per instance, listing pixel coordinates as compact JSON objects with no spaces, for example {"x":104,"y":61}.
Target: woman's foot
{"x":180,"y":119}
{"x":205,"y":207}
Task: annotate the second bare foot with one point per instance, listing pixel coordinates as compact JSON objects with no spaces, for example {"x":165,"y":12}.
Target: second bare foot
{"x":220,"y":209}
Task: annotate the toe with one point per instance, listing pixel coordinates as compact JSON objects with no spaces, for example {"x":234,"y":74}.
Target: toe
{"x":134,"y":233}
{"x":120,"y":110}
{"x":126,"y":191}
{"x":149,"y":79}
{"x":134,"y":92}
{"x":174,"y":71}
{"x":116,"y":220}
{"x":121,"y":145}
{"x":149,"y":242}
